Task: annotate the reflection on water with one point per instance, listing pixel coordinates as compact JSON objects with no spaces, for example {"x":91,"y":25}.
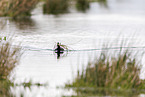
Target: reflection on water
{"x":58,"y":54}
{"x":104,"y":92}
{"x":103,"y":3}
{"x":5,"y":89}
{"x":24,"y":24}
{"x":61,"y":54}
{"x":2,"y":23}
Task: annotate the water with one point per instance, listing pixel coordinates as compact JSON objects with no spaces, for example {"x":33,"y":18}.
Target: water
{"x":111,"y":22}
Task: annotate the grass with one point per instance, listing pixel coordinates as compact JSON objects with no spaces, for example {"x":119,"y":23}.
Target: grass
{"x":110,"y":74}
{"x":55,"y":6}
{"x":9,"y":58}
{"x":17,"y":8}
{"x":82,"y":5}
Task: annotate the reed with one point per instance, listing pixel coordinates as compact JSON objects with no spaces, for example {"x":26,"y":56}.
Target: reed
{"x":55,"y":6}
{"x":110,"y":75}
{"x":17,"y":8}
{"x":9,"y":58}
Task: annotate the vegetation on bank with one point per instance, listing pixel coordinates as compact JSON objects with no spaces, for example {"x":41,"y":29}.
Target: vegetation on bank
{"x":17,"y":8}
{"x":82,"y":5}
{"x":22,"y":8}
{"x":110,"y":75}
{"x":55,"y":6}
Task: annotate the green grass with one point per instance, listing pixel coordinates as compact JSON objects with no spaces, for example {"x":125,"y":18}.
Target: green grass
{"x":110,"y":74}
{"x":55,"y":6}
{"x":17,"y":8}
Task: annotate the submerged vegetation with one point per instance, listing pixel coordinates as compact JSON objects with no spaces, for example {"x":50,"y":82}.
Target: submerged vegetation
{"x":55,"y":6}
{"x":17,"y":8}
{"x":110,"y":75}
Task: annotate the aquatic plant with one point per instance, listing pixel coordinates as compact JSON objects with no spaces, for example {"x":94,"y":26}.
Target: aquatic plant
{"x":9,"y":58}
{"x":55,"y":6}
{"x":82,"y":5}
{"x":110,"y":74}
{"x":17,"y":8}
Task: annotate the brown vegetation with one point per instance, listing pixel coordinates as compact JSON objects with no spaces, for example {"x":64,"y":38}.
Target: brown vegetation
{"x":9,"y":58}
{"x":17,"y":8}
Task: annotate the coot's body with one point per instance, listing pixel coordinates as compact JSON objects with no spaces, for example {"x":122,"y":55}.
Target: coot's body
{"x":59,"y":49}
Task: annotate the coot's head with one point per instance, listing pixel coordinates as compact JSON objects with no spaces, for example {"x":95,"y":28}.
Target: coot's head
{"x":57,"y":43}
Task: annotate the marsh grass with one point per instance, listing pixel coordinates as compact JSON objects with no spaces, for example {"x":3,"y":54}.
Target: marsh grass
{"x":82,"y":5}
{"x":9,"y":58}
{"x":17,"y":8}
{"x":115,"y":73}
{"x":55,"y":6}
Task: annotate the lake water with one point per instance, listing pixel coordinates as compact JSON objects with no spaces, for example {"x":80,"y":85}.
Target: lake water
{"x":110,"y":23}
